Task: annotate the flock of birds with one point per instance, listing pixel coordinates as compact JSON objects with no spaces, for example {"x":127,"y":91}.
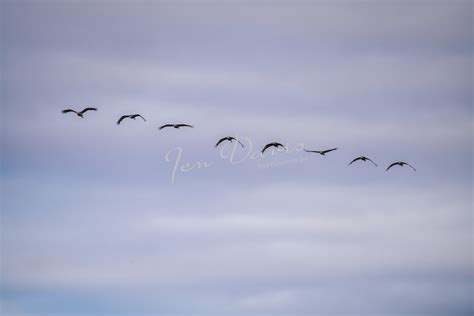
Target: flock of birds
{"x":231,"y":139}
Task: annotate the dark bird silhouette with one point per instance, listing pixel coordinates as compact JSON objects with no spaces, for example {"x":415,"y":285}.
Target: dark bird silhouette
{"x":321,"y":152}
{"x":401,"y":164}
{"x":229,"y":139}
{"x":276,"y":145}
{"x":80,"y":114}
{"x":175,"y":126}
{"x":363,"y":158}
{"x":130,"y":116}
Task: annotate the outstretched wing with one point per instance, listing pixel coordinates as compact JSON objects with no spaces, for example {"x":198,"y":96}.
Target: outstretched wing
{"x":406,"y":163}
{"x":328,"y":150}
{"x":240,"y":143}
{"x":371,"y":161}
{"x":68,"y":110}
{"x":165,"y":126}
{"x":279,"y":145}
{"x":138,"y":115}
{"x":122,"y":118}
{"x":221,"y":140}
{"x":312,"y":151}
{"x":393,"y":164}
{"x":184,"y":125}
{"x":358,"y":158}
{"x":87,"y":109}
{"x":267,"y":146}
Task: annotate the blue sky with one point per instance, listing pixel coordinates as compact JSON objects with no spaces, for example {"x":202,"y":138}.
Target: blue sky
{"x":92,"y":225}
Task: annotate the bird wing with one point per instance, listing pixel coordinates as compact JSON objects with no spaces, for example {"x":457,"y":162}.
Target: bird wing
{"x":358,"y":158}
{"x":184,"y":125}
{"x":69,"y":110}
{"x":406,"y":163}
{"x":165,"y":126}
{"x":138,"y":115}
{"x":221,"y":140}
{"x":267,"y":146}
{"x":239,"y":142}
{"x":279,"y":145}
{"x":328,"y":150}
{"x":122,"y":118}
{"x":372,"y":161}
{"x":393,"y":164}
{"x":312,"y":151}
{"x":87,"y":109}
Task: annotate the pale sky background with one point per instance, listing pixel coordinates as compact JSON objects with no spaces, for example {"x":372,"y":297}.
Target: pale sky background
{"x":91,"y":224}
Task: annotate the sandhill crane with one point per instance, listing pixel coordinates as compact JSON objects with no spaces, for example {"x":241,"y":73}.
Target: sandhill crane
{"x":276,"y":145}
{"x":177,"y":126}
{"x":130,"y":116}
{"x":363,"y":158}
{"x":321,"y":152}
{"x":81,"y":113}
{"x":401,"y":164}
{"x":229,"y":139}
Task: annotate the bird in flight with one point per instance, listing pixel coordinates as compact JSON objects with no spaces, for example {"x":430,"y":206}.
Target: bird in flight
{"x":130,"y":116}
{"x":276,"y":145}
{"x":363,"y":158}
{"x":80,"y":114}
{"x":229,"y":139}
{"x":175,"y":126}
{"x":321,"y":152}
{"x":401,"y":164}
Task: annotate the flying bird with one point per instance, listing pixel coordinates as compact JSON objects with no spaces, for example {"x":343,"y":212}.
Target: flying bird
{"x":363,"y":158}
{"x":80,"y":114}
{"x":401,"y":164}
{"x":229,"y":139}
{"x":175,"y":126}
{"x":321,"y":152}
{"x":130,"y":116}
{"x":276,"y":145}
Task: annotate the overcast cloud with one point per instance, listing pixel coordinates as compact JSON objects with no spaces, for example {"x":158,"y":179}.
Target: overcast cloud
{"x":93,"y":225}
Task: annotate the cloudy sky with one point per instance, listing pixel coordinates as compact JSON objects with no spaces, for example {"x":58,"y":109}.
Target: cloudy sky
{"x":92,"y":223}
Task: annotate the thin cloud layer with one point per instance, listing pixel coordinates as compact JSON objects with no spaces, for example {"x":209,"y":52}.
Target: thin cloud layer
{"x":92,"y":225}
